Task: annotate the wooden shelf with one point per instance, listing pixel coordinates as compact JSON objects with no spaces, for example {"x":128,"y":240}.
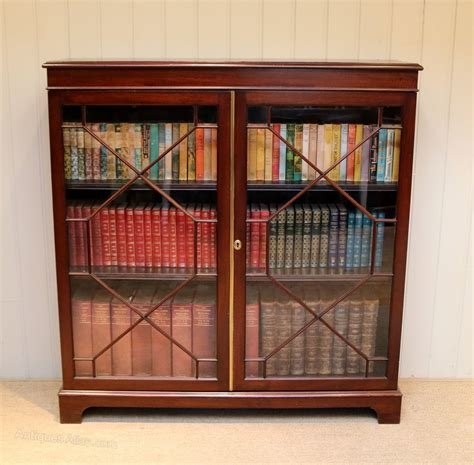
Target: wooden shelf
{"x":321,"y":186}
{"x":140,"y":185}
{"x":141,"y":273}
{"x":315,"y":274}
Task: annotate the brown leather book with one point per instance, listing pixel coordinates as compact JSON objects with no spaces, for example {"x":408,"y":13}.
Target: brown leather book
{"x":121,"y":320}
{"x":160,"y":345}
{"x":354,"y":336}
{"x":268,"y":328}
{"x":252,"y":328}
{"x":298,"y":319}
{"x":204,"y":329}
{"x":311,"y":334}
{"x":339,"y":354}
{"x":141,"y":334}
{"x":181,"y":328}
{"x":369,"y":331}
{"x":101,"y":332}
{"x":82,"y":330}
{"x":325,"y":336}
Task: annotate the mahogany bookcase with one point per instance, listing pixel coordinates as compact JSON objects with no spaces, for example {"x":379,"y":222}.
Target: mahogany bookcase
{"x":260,"y":325}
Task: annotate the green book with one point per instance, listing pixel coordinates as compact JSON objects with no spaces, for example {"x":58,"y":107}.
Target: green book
{"x":154,"y":150}
{"x":290,"y":236}
{"x":281,"y":225}
{"x":297,"y":161}
{"x":315,"y":236}
{"x":290,"y":137}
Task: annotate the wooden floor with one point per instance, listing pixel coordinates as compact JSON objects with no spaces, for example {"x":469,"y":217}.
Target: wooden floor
{"x":436,"y":428}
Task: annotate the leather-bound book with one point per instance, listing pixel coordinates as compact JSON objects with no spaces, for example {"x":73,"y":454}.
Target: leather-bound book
{"x":298,"y":320}
{"x":311,"y":333}
{"x":341,"y":319}
{"x":283,"y":312}
{"x":369,"y":330}
{"x":354,"y":335}
{"x":268,"y":328}
{"x":252,"y":329}
{"x":101,"y":332}
{"x":82,"y":330}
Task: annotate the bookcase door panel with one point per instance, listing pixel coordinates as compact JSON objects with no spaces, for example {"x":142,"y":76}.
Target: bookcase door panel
{"x":145,"y":220}
{"x":321,"y":198}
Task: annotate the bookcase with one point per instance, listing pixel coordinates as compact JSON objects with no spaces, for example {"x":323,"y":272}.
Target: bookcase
{"x":231,"y":234}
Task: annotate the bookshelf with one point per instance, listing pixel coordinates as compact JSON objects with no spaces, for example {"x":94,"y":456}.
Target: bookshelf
{"x":231,"y":234}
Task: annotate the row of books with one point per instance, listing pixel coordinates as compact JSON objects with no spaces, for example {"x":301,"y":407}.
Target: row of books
{"x":194,"y":159}
{"x":305,"y":236}
{"x":270,"y":159}
{"x":142,"y":235}
{"x":189,"y":318}
{"x":271,"y":319}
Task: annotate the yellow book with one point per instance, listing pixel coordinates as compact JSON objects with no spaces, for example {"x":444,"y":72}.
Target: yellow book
{"x":268,"y":155}
{"x":214,"y":154}
{"x":260,"y":172}
{"x":396,"y":154}
{"x":327,"y":147}
{"x":335,"y":152}
{"x":358,"y":152}
{"x":110,"y":139}
{"x":183,"y":153}
{"x":252,"y":154}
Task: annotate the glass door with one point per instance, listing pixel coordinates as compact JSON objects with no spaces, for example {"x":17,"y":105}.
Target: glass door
{"x":146,"y":186}
{"x":319,"y":221}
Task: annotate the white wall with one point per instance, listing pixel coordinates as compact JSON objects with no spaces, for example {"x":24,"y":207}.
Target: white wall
{"x":437,"y":336}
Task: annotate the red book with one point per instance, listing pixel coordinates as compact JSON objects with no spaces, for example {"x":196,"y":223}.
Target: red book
{"x":86,"y":213}
{"x":121,"y":320}
{"x":71,"y":229}
{"x":262,"y":260}
{"x":165,"y":236}
{"x":190,"y":225}
{"x":148,"y":236}
{"x":161,"y":345}
{"x":172,"y":239}
{"x":80,"y":232}
{"x":97,"y":252}
{"x":213,"y":239}
{"x":141,"y":334}
{"x":252,"y":329}
{"x":275,"y":154}
{"x":197,"y":214}
{"x":139,"y":228}
{"x":130,"y":234}
{"x":205,"y":238}
{"x":199,"y":154}
{"x":101,"y":332}
{"x":105,"y":233}
{"x":181,"y":319}
{"x":254,"y":238}
{"x":351,"y":142}
{"x":81,"y":310}
{"x":121,"y":224}
{"x":156,"y":235}
{"x":181,"y":238}
{"x":113,"y":236}
{"x":204,"y":329}
{"x":248,"y":240}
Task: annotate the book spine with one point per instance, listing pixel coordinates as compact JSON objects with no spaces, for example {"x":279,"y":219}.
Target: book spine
{"x":197,"y":214}
{"x":389,"y":158}
{"x":333,"y":237}
{"x":156,"y":236}
{"x":111,"y":163}
{"x":81,"y":310}
{"x":297,"y":161}
{"x":313,"y":146}
{"x":137,"y":145}
{"x":105,"y":233}
{"x":358,"y":152}
{"x":160,"y":345}
{"x":351,"y":142}
{"x":113,"y":236}
{"x":334,"y":174}
{"x":190,"y":225}
{"x":169,"y":156}
{"x":141,"y":343}
{"x":281,"y":226}
{"x":254,"y":238}
{"x":191,"y":154}
{"x":325,"y":343}
{"x":96,"y":240}
{"x":339,"y":354}
{"x":204,"y":331}
{"x":67,"y":154}
{"x":353,"y":359}
{"x":103,"y":151}
{"x":290,"y":137}
{"x":366,"y":241}
{"x":320,"y":147}
{"x":262,"y":259}
{"x":200,"y":154}
{"x":96,"y":152}
{"x":282,"y":147}
{"x":365,"y":156}
{"x":172,"y":237}
{"x":282,"y":359}
{"x":328,"y":149}
{"x":161,"y":148}
{"x":306,"y":249}
{"x":350,"y":240}
{"x":205,"y":239}
{"x":275,"y":153}
{"x":324,"y":238}
{"x":207,"y":154}
{"x":374,"y":146}
{"x":165,"y":237}
{"x":130,"y":233}
{"x":396,"y":154}
{"x":72,"y":237}
{"x":213,"y":239}
{"x":181,"y":238}
{"x":122,"y":349}
{"x":379,"y":241}
{"x":183,"y":153}
{"x":139,"y":231}
{"x":260,"y":166}
{"x":252,"y":154}
{"x":214,"y":154}
{"x":382,"y":152}
{"x":121,"y":224}
{"x":154,"y":150}
{"x":175,"y":152}
{"x":101,"y":334}
{"x":298,"y":318}
{"x":289,"y":236}
{"x":315,"y":236}
{"x":311,"y":337}
{"x":74,"y":154}
{"x":342,"y":237}
{"x":268,"y":155}
{"x":127,"y":149}
{"x":81,"y":155}
{"x":344,"y":144}
{"x":181,"y":321}
{"x":357,"y":240}
{"x":305,"y":151}
{"x":268,"y":334}
{"x":148,"y":237}
{"x":272,"y":237}
{"x":298,"y":240}
{"x":146,"y":149}
{"x":369,"y":332}
{"x":86,"y":213}
{"x":252,"y":329}
{"x":119,"y":166}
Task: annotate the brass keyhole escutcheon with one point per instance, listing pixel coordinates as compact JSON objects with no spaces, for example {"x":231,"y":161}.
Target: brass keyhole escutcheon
{"x":237,"y":244}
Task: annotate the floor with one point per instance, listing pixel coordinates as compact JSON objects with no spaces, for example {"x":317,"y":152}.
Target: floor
{"x":436,"y":428}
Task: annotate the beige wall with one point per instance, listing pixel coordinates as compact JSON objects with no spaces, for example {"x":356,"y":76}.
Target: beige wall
{"x":438,"y":34}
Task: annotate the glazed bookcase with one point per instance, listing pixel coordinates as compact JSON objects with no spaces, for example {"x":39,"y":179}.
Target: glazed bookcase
{"x":261,"y":330}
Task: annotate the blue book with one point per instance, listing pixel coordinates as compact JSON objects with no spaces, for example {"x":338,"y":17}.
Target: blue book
{"x":379,"y":241}
{"x":154,"y":150}
{"x":333,"y":236}
{"x":357,"y":239}
{"x":382,"y":153}
{"x":350,"y":239}
{"x":342,"y":237}
{"x":343,"y":164}
{"x":366,"y":241}
{"x":282,"y":164}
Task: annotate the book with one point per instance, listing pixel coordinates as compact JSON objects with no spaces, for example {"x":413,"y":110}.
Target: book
{"x":343,"y":152}
{"x":315,"y":235}
{"x":252,"y":332}
{"x":313,"y":147}
{"x":191,"y":147}
{"x":353,"y":359}
{"x":333,"y":241}
{"x":388,"y":176}
{"x":88,"y":155}
{"x":359,"y":137}
{"x":297,"y":161}
{"x":350,"y":240}
{"x":325,"y":340}
{"x":283,"y":312}
{"x":342,"y":236}
{"x":311,"y":334}
{"x":254,"y":238}
{"x":320,"y":147}
{"x":113,"y":236}
{"x":379,"y":240}
{"x":282,"y":164}
{"x":121,"y":234}
{"x":173,"y":245}
{"x":396,"y":154}
{"x":160,"y":344}
{"x":67,"y":154}
{"x":281,"y":240}
{"x":305,"y":168}
{"x":154,"y":150}
{"x":297,"y":356}
{"x":168,"y":158}
{"x":366,"y":242}
{"x":328,"y":149}
{"x":81,"y":314}
{"x":289,"y":236}
{"x":341,"y":320}
{"x":268,"y":332}
{"x":307,"y":226}
{"x":324,"y":237}
{"x":275,"y":154}
{"x":161,"y":149}
{"x":351,"y":142}
{"x":381,"y":155}
{"x":290,"y":137}
{"x":272,"y":237}
{"x":183,"y":152}
{"x":365,"y":155}
{"x":101,"y":332}
{"x":268,"y":153}
{"x":369,"y":331}
{"x":214,"y":154}
{"x":119,"y":166}
{"x":356,"y":258}
{"x":260,"y":155}
{"x":148,"y":236}
{"x":298,"y":236}
{"x":207,"y":154}
{"x":252,"y":154}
